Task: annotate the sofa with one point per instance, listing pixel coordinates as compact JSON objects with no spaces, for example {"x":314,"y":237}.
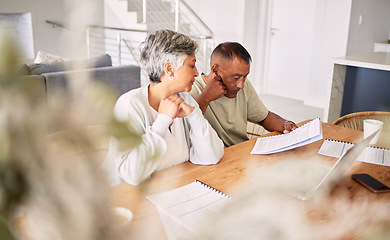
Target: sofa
{"x":52,"y":77}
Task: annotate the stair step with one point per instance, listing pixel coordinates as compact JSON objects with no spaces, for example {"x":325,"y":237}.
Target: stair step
{"x":132,"y":6}
{"x":156,"y":16}
{"x":156,"y":26}
{"x":185,"y":28}
{"x":157,"y":5}
{"x":160,"y":14}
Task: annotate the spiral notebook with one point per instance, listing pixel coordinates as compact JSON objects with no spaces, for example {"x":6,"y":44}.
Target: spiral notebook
{"x":334,"y":148}
{"x":189,"y":206}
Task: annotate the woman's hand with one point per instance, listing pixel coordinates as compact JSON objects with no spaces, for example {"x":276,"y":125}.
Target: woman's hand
{"x":170,"y":105}
{"x":175,"y":107}
{"x":184,"y":110}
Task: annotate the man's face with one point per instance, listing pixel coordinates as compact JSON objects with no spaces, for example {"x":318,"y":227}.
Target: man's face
{"x":233,"y":74}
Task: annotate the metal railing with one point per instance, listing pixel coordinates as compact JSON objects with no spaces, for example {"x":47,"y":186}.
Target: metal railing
{"x":176,"y":15}
{"x":122,"y":44}
{"x":190,"y":16}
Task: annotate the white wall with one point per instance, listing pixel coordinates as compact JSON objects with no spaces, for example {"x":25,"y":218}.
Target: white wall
{"x":246,"y":23}
{"x":330,"y":41}
{"x":232,"y":20}
{"x":67,"y":43}
{"x":370,"y":22}
{"x":254,"y":41}
{"x":224,"y":17}
{"x":339,"y":33}
{"x":116,"y":15}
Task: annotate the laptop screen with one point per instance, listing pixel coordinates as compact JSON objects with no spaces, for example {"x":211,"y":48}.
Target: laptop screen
{"x":349,"y":157}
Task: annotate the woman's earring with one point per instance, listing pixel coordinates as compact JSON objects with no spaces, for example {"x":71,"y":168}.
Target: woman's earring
{"x":171,"y":77}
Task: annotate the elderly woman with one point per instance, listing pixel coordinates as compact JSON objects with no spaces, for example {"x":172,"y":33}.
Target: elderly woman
{"x":174,"y":128}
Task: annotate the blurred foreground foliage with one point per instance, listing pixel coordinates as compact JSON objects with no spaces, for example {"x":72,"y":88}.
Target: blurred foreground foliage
{"x":66,"y":195}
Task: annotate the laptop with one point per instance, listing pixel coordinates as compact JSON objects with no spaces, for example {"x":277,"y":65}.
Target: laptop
{"x":302,"y":178}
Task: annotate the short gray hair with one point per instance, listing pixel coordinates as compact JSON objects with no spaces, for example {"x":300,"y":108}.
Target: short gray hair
{"x":162,"y":46}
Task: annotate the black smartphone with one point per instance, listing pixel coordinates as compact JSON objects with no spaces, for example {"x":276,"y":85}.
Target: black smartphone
{"x":371,"y":183}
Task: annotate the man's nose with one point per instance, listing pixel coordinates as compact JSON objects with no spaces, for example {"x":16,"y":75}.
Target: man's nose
{"x":240,"y":84}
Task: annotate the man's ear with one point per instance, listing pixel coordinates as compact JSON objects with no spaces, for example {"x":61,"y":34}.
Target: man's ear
{"x":214,"y":69}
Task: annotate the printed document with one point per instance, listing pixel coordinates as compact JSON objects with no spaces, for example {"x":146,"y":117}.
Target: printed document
{"x":308,"y":133}
{"x":370,"y":154}
{"x":189,"y":206}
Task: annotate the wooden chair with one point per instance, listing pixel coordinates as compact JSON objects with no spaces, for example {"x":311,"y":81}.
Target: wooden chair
{"x":355,"y":120}
{"x":254,"y":130}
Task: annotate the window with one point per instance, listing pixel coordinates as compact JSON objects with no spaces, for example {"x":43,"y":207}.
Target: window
{"x":19,"y":25}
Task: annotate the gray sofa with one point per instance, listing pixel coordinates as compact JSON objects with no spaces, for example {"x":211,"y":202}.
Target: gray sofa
{"x":53,"y":77}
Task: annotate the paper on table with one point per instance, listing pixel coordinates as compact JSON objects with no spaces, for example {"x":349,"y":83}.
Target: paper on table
{"x":308,"y":133}
{"x":374,"y":155}
{"x":191,"y":205}
{"x":333,"y":148}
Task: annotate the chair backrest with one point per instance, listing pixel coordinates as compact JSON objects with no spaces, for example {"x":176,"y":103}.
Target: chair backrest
{"x":255,"y":130}
{"x":355,"y":120}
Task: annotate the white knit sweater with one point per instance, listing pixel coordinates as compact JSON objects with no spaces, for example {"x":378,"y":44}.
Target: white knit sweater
{"x":159,"y":145}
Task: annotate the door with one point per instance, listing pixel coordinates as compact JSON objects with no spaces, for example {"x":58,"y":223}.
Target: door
{"x":291,"y":29}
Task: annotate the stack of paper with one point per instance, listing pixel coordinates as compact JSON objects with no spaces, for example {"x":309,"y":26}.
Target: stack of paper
{"x":308,"y":133}
{"x":185,"y":210}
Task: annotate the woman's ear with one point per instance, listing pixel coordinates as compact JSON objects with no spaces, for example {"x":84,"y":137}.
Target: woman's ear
{"x":168,"y":68}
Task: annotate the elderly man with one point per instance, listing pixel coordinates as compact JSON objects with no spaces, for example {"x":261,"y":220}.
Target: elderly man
{"x":227,"y":99}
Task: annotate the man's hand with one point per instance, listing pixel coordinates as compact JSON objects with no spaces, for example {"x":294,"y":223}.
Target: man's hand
{"x":274,"y":122}
{"x":214,"y":89}
{"x":289,"y":126}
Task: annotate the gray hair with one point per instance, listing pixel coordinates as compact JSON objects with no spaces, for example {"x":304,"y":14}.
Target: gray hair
{"x":162,"y":46}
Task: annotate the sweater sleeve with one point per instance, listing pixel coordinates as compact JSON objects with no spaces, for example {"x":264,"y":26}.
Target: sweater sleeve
{"x":205,"y":145}
{"x":137,"y":164}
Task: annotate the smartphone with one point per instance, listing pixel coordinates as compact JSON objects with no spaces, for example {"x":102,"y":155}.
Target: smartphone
{"x":371,"y":183}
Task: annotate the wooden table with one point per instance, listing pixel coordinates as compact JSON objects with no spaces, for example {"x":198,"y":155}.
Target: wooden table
{"x":348,"y":212}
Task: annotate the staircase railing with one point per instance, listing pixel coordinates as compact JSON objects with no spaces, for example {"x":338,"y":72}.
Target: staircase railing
{"x":191,"y":16}
{"x":122,"y":44}
{"x":176,"y":15}
{"x":155,"y":15}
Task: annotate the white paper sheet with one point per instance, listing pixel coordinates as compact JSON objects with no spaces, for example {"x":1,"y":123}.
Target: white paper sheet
{"x":374,"y":155}
{"x":308,"y":133}
{"x":191,"y":205}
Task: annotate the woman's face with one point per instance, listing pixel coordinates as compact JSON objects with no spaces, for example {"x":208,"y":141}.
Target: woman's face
{"x":184,"y":77}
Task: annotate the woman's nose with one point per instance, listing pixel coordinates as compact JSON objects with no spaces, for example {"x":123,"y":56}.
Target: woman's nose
{"x":196,"y":72}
